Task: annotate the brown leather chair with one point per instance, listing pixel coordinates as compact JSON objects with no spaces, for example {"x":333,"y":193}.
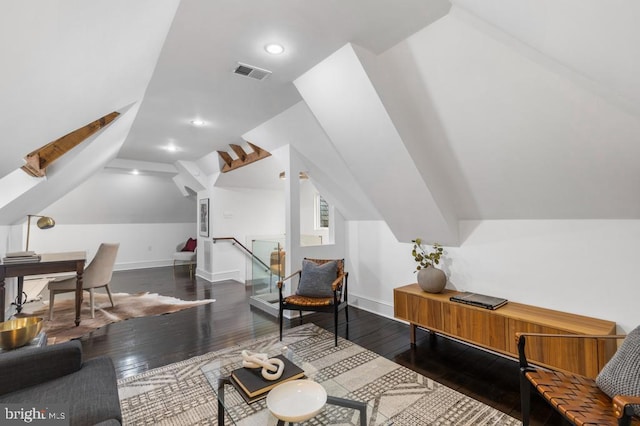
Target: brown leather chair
{"x":334,"y":301}
{"x":577,"y":398}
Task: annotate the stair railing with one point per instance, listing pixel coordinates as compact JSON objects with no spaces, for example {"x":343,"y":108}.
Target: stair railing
{"x":246,"y":250}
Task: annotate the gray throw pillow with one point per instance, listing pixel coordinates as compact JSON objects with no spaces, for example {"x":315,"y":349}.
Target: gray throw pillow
{"x":621,"y":375}
{"x":316,"y":279}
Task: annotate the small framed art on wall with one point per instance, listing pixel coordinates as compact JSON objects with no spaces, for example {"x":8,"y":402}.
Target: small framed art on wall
{"x":203,"y":217}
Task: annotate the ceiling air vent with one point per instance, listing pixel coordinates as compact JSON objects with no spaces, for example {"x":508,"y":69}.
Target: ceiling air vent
{"x":251,"y":71}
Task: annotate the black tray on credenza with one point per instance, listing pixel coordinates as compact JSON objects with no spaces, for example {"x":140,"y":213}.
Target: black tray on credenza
{"x":479,"y":300}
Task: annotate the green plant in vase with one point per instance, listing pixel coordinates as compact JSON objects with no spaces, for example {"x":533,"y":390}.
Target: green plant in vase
{"x":430,"y":278}
{"x":422,"y":257}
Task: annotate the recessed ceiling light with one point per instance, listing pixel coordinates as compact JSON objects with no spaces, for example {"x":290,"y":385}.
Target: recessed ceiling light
{"x":274,"y":48}
{"x":171,"y":148}
{"x":198,"y":122}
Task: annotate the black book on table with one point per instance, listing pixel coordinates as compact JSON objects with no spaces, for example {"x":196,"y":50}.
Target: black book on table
{"x":480,"y":300}
{"x":251,"y":383}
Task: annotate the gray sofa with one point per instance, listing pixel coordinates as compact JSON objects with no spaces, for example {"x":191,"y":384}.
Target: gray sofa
{"x":57,"y":375}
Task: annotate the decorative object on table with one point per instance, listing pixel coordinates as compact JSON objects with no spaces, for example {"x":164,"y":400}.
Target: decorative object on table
{"x":430,"y":278}
{"x":296,"y":401}
{"x":18,"y":332}
{"x":480,"y":300}
{"x":272,"y":368}
{"x":203,"y":217}
{"x":251,"y":381}
{"x":322,"y":287}
{"x":45,"y":222}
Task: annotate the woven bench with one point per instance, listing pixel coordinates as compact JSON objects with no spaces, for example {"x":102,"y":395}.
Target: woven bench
{"x":577,"y":398}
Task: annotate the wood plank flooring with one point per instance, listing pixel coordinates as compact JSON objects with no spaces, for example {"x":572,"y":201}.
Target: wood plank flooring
{"x":139,"y":344}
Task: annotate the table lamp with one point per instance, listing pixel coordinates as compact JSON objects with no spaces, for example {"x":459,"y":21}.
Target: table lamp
{"x":44,"y":222}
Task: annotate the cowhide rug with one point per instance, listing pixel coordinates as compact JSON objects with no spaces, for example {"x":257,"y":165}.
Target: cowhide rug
{"x":62,"y":327}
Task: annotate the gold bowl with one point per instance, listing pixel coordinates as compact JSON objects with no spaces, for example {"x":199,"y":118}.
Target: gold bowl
{"x":19,"y":332}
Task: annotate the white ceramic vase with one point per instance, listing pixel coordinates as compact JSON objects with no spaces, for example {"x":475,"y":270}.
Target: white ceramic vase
{"x":432,"y":280}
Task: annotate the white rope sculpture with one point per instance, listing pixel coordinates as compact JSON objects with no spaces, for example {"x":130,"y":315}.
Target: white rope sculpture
{"x":272,"y":368}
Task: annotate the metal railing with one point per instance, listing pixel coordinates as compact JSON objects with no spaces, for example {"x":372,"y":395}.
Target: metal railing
{"x":247,"y":251}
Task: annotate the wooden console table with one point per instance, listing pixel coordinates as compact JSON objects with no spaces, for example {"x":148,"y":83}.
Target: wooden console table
{"x":495,"y":330}
{"x":50,"y":263}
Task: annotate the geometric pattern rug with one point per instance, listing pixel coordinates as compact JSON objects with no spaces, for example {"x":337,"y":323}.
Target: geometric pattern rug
{"x":180,"y":394}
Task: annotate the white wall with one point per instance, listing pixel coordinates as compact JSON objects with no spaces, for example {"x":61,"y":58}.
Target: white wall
{"x":4,"y":239}
{"x":247,"y":214}
{"x":586,"y":267}
{"x":51,"y":60}
{"x":600,"y":41}
{"x":512,"y":133}
{"x":307,"y":213}
{"x":334,"y":250}
{"x":115,"y":196}
{"x":142,"y":245}
{"x":145,"y":213}
{"x":346,"y":104}
{"x":242,"y":214}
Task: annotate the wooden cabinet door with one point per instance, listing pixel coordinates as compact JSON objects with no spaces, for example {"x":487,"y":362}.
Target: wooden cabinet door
{"x":400,"y":305}
{"x":418,"y":310}
{"x":426,"y":312}
{"x":476,"y":325}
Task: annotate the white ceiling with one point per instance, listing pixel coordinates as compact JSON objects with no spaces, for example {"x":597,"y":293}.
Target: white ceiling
{"x":595,"y":39}
{"x":66,"y":63}
{"x":194,"y":79}
{"x":527,"y":109}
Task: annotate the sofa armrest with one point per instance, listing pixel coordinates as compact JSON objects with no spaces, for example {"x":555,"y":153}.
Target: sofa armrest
{"x":20,"y":369}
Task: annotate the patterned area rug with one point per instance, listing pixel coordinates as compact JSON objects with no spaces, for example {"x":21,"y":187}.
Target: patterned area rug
{"x":180,"y":394}
{"x":62,"y":327}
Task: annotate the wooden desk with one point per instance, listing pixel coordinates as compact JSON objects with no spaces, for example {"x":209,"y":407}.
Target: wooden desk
{"x":495,"y":330}
{"x":50,"y":263}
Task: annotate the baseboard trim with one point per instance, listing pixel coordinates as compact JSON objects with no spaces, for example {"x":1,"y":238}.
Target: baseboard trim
{"x":377,"y":307}
{"x":142,"y":265}
{"x":205,"y":275}
{"x":209,"y":276}
{"x":225,"y":275}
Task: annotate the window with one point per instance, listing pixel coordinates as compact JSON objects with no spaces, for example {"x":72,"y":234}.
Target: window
{"x":322,"y":212}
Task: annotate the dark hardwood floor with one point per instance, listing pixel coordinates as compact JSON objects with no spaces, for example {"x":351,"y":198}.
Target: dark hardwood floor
{"x":139,"y":344}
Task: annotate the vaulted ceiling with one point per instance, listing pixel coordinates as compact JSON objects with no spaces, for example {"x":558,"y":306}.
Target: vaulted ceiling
{"x":517,"y":110}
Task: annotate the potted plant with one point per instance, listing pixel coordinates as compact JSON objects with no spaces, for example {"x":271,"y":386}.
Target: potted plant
{"x":430,"y":278}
